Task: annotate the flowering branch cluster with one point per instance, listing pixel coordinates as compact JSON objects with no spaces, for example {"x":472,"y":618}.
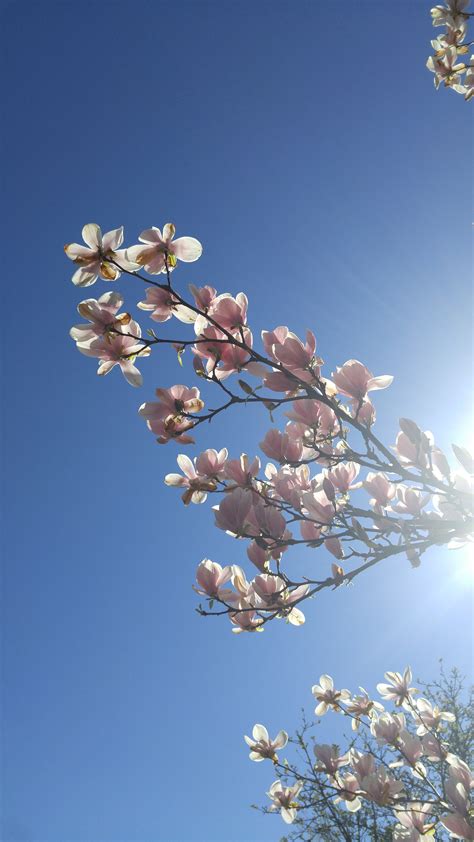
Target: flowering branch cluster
{"x":451,"y":44}
{"x":399,"y":779}
{"x":361,"y":500}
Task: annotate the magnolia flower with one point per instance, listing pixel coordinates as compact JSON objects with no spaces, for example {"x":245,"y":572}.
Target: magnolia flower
{"x":348,"y":787}
{"x":210,"y":577}
{"x":447,"y":70}
{"x":101,"y":315}
{"x":381,"y":787}
{"x":262,"y":746}
{"x":342,"y":476}
{"x":451,"y":14}
{"x":457,"y":787}
{"x":232,"y":514}
{"x":162,"y":305}
{"x":329,"y":759}
{"x":354,"y":380}
{"x":327,"y":696}
{"x":196,"y":486}
{"x":167,"y":418}
{"x":412,"y":827}
{"x":362,"y":705}
{"x":228,"y":312}
{"x":430,"y":716}
{"x":382,"y":489}
{"x":284,"y":799}
{"x":246,"y":621}
{"x":161,"y":251}
{"x":387,"y":728}
{"x":411,"y":501}
{"x":95,"y":258}
{"x":117,"y":349}
{"x":397,"y":690}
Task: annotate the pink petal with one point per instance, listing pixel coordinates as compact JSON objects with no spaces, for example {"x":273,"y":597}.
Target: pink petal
{"x":92,"y":235}
{"x":187,"y":249}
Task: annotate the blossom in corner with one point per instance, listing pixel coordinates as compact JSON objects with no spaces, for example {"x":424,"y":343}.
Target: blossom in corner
{"x":98,"y":258}
{"x":160,"y":250}
{"x":262,"y":746}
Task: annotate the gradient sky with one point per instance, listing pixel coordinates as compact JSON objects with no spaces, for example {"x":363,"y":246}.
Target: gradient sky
{"x":306,"y":147}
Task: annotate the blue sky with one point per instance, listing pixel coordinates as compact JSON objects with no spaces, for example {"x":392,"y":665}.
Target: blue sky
{"x":306,"y":147}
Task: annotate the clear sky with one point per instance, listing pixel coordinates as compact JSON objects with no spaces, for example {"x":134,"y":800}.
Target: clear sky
{"x":305,"y":146}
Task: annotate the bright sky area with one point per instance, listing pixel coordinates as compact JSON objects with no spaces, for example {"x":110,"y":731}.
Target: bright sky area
{"x":307,"y":149}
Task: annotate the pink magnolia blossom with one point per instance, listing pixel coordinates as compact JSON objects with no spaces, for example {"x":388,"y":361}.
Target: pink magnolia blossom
{"x":228,"y":312}
{"x":241,"y":472}
{"x":269,"y":521}
{"x":167,"y":417}
{"x":348,"y":787}
{"x":387,"y":728}
{"x":284,"y":799}
{"x":451,"y":14}
{"x":329,"y":759}
{"x":319,"y":507}
{"x":381,"y":787}
{"x":246,"y":621}
{"x":314,"y":415}
{"x":95,"y":258}
{"x":196,"y":485}
{"x":326,"y":696}
{"x":457,"y":788}
{"x":430,"y":717}
{"x":117,"y":349}
{"x":259,"y":556}
{"x":210,"y":577}
{"x":412,"y":825}
{"x":281,"y":446}
{"x":342,"y":476}
{"x":447,"y":69}
{"x":433,"y":748}
{"x":363,"y":764}
{"x":272,"y":594}
{"x":354,"y":380}
{"x":289,"y":483}
{"x":334,"y":546}
{"x":411,"y":749}
{"x":160,"y":245}
{"x":262,"y":747}
{"x":289,"y":350}
{"x":222,"y":358}
{"x":379,"y":485}
{"x":363,"y":412}
{"x":232,"y":514}
{"x":162,"y":305}
{"x":413,"y":455}
{"x":101,"y":315}
{"x":398,"y":690}
{"x":203,"y":296}
{"x":211,"y":463}
{"x":362,"y":705}
{"x":411,"y":501}
{"x":310,"y":531}
{"x":277,"y":381}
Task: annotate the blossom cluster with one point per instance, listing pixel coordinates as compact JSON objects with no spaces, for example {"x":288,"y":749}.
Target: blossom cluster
{"x":319,"y":489}
{"x":449,"y":46}
{"x":312,"y":492}
{"x":398,"y":765}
